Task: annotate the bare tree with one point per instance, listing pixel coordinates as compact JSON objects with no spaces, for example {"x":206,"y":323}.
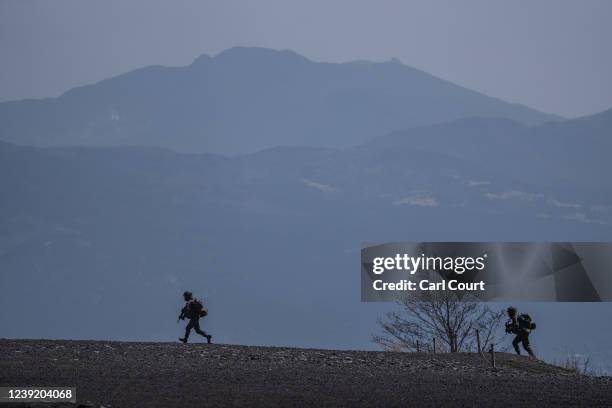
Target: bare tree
{"x":442,"y":315}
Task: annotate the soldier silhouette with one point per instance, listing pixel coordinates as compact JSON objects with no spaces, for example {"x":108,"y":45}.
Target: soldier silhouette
{"x":520,"y":325}
{"x":193,"y":310}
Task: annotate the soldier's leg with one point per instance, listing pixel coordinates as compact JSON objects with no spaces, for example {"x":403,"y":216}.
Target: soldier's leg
{"x":202,"y":332}
{"x":516,"y":342}
{"x":526,"y":345}
{"x":188,"y":329}
{"x":196,"y":326}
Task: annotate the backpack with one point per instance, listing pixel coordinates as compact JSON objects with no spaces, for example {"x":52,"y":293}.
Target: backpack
{"x":525,"y":322}
{"x":197,"y":308}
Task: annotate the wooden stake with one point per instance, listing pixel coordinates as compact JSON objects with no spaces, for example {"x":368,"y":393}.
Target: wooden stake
{"x":492,"y":351}
{"x":478,"y":341}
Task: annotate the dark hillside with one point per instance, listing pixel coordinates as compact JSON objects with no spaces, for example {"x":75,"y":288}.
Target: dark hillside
{"x":167,"y":374}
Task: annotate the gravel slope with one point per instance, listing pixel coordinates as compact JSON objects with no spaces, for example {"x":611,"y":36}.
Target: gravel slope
{"x":117,"y":374}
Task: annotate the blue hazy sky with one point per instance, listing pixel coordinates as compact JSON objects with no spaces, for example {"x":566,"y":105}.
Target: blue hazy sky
{"x":553,"y":55}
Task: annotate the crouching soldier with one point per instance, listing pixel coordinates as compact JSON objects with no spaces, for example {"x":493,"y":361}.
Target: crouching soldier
{"x":520,"y":325}
{"x":193,"y":310}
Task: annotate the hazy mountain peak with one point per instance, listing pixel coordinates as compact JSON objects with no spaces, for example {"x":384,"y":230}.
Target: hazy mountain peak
{"x":254,"y":54}
{"x":247,"y":99}
{"x":202,"y":59}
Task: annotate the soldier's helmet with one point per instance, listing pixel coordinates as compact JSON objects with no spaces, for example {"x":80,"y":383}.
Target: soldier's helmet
{"x":187,"y":295}
{"x":511,"y":311}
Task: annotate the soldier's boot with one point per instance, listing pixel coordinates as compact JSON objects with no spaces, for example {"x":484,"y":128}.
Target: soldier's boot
{"x":183,"y":339}
{"x":203,"y":333}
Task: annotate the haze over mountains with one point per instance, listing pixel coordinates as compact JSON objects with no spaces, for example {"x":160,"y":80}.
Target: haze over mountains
{"x":573,"y":151}
{"x":102,"y":239}
{"x":93,"y":236}
{"x":248,"y":99}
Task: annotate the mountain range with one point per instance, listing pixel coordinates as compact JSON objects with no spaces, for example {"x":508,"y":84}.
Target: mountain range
{"x":248,"y":99}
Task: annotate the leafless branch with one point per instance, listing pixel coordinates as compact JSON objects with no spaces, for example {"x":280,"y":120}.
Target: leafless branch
{"x":442,"y":315}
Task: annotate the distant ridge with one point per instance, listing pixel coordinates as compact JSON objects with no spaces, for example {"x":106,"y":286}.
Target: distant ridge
{"x":247,"y":99}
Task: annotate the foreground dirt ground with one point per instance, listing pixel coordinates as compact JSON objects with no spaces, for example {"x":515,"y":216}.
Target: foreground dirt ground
{"x":116,"y":374}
